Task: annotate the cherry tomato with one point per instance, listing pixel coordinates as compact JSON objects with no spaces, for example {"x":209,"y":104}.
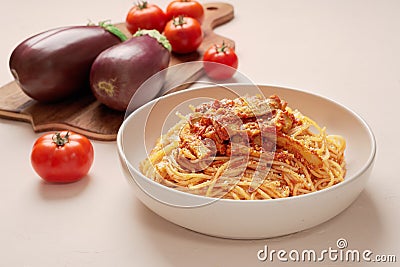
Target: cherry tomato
{"x":145,"y":16}
{"x":184,"y":34}
{"x":62,"y":157}
{"x":220,"y":56}
{"x":186,"y":8}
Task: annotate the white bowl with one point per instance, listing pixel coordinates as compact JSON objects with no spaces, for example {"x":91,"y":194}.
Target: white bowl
{"x":245,"y":219}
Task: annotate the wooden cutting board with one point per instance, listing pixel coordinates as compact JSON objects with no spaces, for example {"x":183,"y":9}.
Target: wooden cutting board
{"x":89,"y":117}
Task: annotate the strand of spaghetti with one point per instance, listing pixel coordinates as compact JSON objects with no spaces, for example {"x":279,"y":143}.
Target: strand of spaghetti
{"x":234,"y":196}
{"x":263,"y":194}
{"x":338,"y":169}
{"x":337,"y":141}
{"x":281,"y":164}
{"x":319,"y":184}
{"x":171,"y":158}
{"x":294,"y":132}
{"x":324,"y":151}
{"x":201,"y":185}
{"x":306,"y":174}
{"x":296,"y":187}
{"x":288,"y":182}
{"x":297,"y":178}
{"x":240,"y":191}
{"x":303,"y":191}
{"x":216,"y":176}
{"x":185,"y":176}
{"x":320,"y":173}
{"x":159,"y":154}
{"x":270,"y":189}
{"x":331,"y":176}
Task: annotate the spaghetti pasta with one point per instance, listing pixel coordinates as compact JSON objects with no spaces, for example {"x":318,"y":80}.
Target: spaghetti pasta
{"x":247,"y":148}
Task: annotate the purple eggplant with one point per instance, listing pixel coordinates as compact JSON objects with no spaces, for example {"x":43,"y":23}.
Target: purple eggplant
{"x":120,"y":70}
{"x":54,"y":65}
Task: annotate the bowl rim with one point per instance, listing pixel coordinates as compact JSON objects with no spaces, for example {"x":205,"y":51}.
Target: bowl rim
{"x":346,"y":182}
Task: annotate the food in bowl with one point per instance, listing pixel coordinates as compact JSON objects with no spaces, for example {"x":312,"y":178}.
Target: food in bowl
{"x":247,"y":148}
{"x":250,"y":219}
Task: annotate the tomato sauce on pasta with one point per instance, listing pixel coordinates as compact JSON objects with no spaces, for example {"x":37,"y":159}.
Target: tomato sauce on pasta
{"x":246,"y":148}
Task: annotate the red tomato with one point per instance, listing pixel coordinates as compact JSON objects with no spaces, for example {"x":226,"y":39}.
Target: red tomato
{"x":145,"y":16}
{"x":62,"y":157}
{"x":220,"y":56}
{"x":186,"y":8}
{"x":184,"y":34}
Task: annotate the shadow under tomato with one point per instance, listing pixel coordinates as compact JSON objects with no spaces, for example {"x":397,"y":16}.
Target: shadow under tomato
{"x":57,"y":191}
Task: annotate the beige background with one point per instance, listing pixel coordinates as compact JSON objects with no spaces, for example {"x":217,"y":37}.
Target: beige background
{"x":348,"y":50}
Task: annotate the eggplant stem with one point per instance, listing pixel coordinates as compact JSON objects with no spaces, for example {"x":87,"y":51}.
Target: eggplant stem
{"x":114,"y":30}
{"x":156,"y":35}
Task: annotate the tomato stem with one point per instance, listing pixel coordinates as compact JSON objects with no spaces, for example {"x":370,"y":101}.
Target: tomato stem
{"x":221,"y":49}
{"x":59,"y":140}
{"x":141,"y":5}
{"x":179,"y":21}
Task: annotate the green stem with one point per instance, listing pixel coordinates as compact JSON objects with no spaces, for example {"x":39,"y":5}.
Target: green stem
{"x":59,"y":140}
{"x":222,"y":48}
{"x":114,"y":30}
{"x":142,"y":5}
{"x":179,"y":21}
{"x":156,"y":35}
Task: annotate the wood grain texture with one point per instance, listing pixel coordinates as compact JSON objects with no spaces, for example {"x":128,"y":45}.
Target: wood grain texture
{"x":87,"y":116}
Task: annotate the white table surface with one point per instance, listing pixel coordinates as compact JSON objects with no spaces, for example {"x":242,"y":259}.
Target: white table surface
{"x":348,"y":50}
